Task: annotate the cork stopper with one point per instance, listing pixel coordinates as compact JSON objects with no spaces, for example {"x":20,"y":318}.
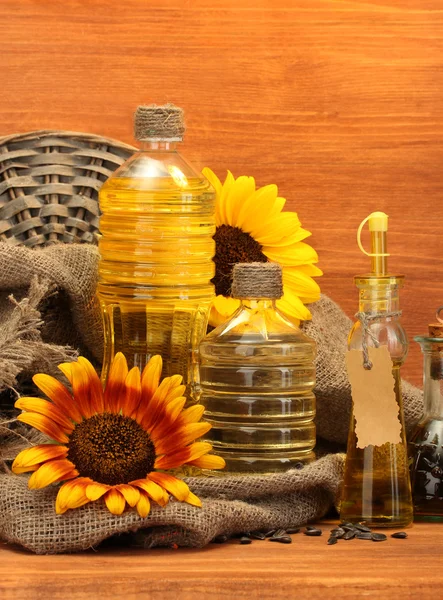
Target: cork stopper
{"x":257,"y":280}
{"x":436,"y":329}
{"x":159,"y":123}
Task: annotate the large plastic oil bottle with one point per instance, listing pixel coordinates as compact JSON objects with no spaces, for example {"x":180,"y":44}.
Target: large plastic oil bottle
{"x":157,"y":225}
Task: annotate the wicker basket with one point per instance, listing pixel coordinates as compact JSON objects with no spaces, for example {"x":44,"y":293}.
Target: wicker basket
{"x":49,"y":183}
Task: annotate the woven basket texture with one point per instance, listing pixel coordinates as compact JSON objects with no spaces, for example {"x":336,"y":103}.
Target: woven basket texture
{"x":49,"y":183}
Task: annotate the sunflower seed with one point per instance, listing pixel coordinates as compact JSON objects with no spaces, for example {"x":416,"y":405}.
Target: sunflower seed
{"x":363,"y":535}
{"x":293,"y":530}
{"x":332,"y":540}
{"x":338,"y":532}
{"x":313,"y":532}
{"x":245,"y":540}
{"x":348,"y":527}
{"x":346,"y":524}
{"x":378,"y":537}
{"x":363,"y":528}
{"x":311,"y":527}
{"x":220,"y":539}
{"x":299,"y":465}
{"x":349,"y":535}
{"x":401,"y":535}
{"x":283,"y":539}
{"x":270,"y":533}
{"x":257,"y":535}
{"x":279,"y":533}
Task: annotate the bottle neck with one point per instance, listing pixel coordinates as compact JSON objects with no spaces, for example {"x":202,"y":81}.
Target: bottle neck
{"x":433,"y":380}
{"x":258,"y":303}
{"x":163,"y":146}
{"x":379,"y":299}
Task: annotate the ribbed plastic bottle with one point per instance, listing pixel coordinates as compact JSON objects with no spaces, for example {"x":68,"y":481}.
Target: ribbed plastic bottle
{"x":156,"y":246}
{"x":257,"y":376}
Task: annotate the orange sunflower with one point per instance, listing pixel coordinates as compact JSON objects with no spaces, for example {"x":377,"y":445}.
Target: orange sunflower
{"x":114,"y":444}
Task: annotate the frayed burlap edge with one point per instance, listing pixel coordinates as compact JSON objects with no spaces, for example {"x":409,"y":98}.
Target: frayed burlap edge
{"x":22,"y":350}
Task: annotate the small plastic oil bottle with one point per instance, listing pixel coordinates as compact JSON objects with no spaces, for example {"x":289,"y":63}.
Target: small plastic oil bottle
{"x":376,"y":487}
{"x":156,"y":246}
{"x":257,"y":375}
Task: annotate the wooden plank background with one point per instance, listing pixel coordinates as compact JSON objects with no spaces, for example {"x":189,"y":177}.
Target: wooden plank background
{"x":338,"y":102}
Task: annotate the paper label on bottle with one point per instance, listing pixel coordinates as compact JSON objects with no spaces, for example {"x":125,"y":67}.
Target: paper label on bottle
{"x":376,"y":411}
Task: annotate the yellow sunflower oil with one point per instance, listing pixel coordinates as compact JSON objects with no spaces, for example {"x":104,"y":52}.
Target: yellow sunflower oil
{"x":376,"y":487}
{"x":156,"y":247}
{"x":257,"y":376}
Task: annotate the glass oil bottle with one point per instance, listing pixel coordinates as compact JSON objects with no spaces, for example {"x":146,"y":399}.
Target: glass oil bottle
{"x":426,"y":445}
{"x":257,"y":376}
{"x":156,"y":247}
{"x":376,"y":487}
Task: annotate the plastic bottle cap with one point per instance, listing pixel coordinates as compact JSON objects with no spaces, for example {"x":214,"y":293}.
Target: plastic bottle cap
{"x":378,"y":221}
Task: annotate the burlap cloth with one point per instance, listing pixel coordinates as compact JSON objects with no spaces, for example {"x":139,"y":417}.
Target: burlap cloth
{"x":51,"y":315}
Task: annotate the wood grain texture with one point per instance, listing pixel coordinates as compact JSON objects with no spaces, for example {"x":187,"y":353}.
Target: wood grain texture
{"x":308,"y":569}
{"x":338,"y":102}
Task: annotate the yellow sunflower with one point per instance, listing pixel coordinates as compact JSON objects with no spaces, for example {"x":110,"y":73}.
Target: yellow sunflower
{"x":117,"y":443}
{"x":251,"y":227}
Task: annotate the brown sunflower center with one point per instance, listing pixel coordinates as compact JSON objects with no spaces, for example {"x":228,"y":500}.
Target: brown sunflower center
{"x":232,"y":246}
{"x":111,"y":449}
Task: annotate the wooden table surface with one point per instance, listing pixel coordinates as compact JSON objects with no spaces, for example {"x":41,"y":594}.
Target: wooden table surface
{"x":306,"y":569}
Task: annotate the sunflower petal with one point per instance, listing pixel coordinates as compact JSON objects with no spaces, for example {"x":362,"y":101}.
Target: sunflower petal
{"x":170,"y":415}
{"x":20,"y":470}
{"x":66,"y":369}
{"x":115,"y":501}
{"x":63,"y":496}
{"x":72,"y":495}
{"x":153,"y":490}
{"x":151,"y":376}
{"x":181,"y":437}
{"x":291,"y":305}
{"x":143,"y":505}
{"x":242,"y":188}
{"x":50,"y":472}
{"x":59,"y":395}
{"x":257,"y":208}
{"x":168,"y":390}
{"x":193,"y":414}
{"x":96,"y":490}
{"x":220,"y":206}
{"x":129,"y":493}
{"x":95,"y":386}
{"x":283,"y":230}
{"x":48,"y":409}
{"x":115,"y":385}
{"x":38,"y":454}
{"x":208,"y":461}
{"x":193,"y":499}
{"x":293,"y":255}
{"x":132,"y":392}
{"x":213,"y":180}
{"x":81,"y":389}
{"x":174,"y":486}
{"x":172,"y":461}
{"x":45,"y":425}
{"x":301,"y":284}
